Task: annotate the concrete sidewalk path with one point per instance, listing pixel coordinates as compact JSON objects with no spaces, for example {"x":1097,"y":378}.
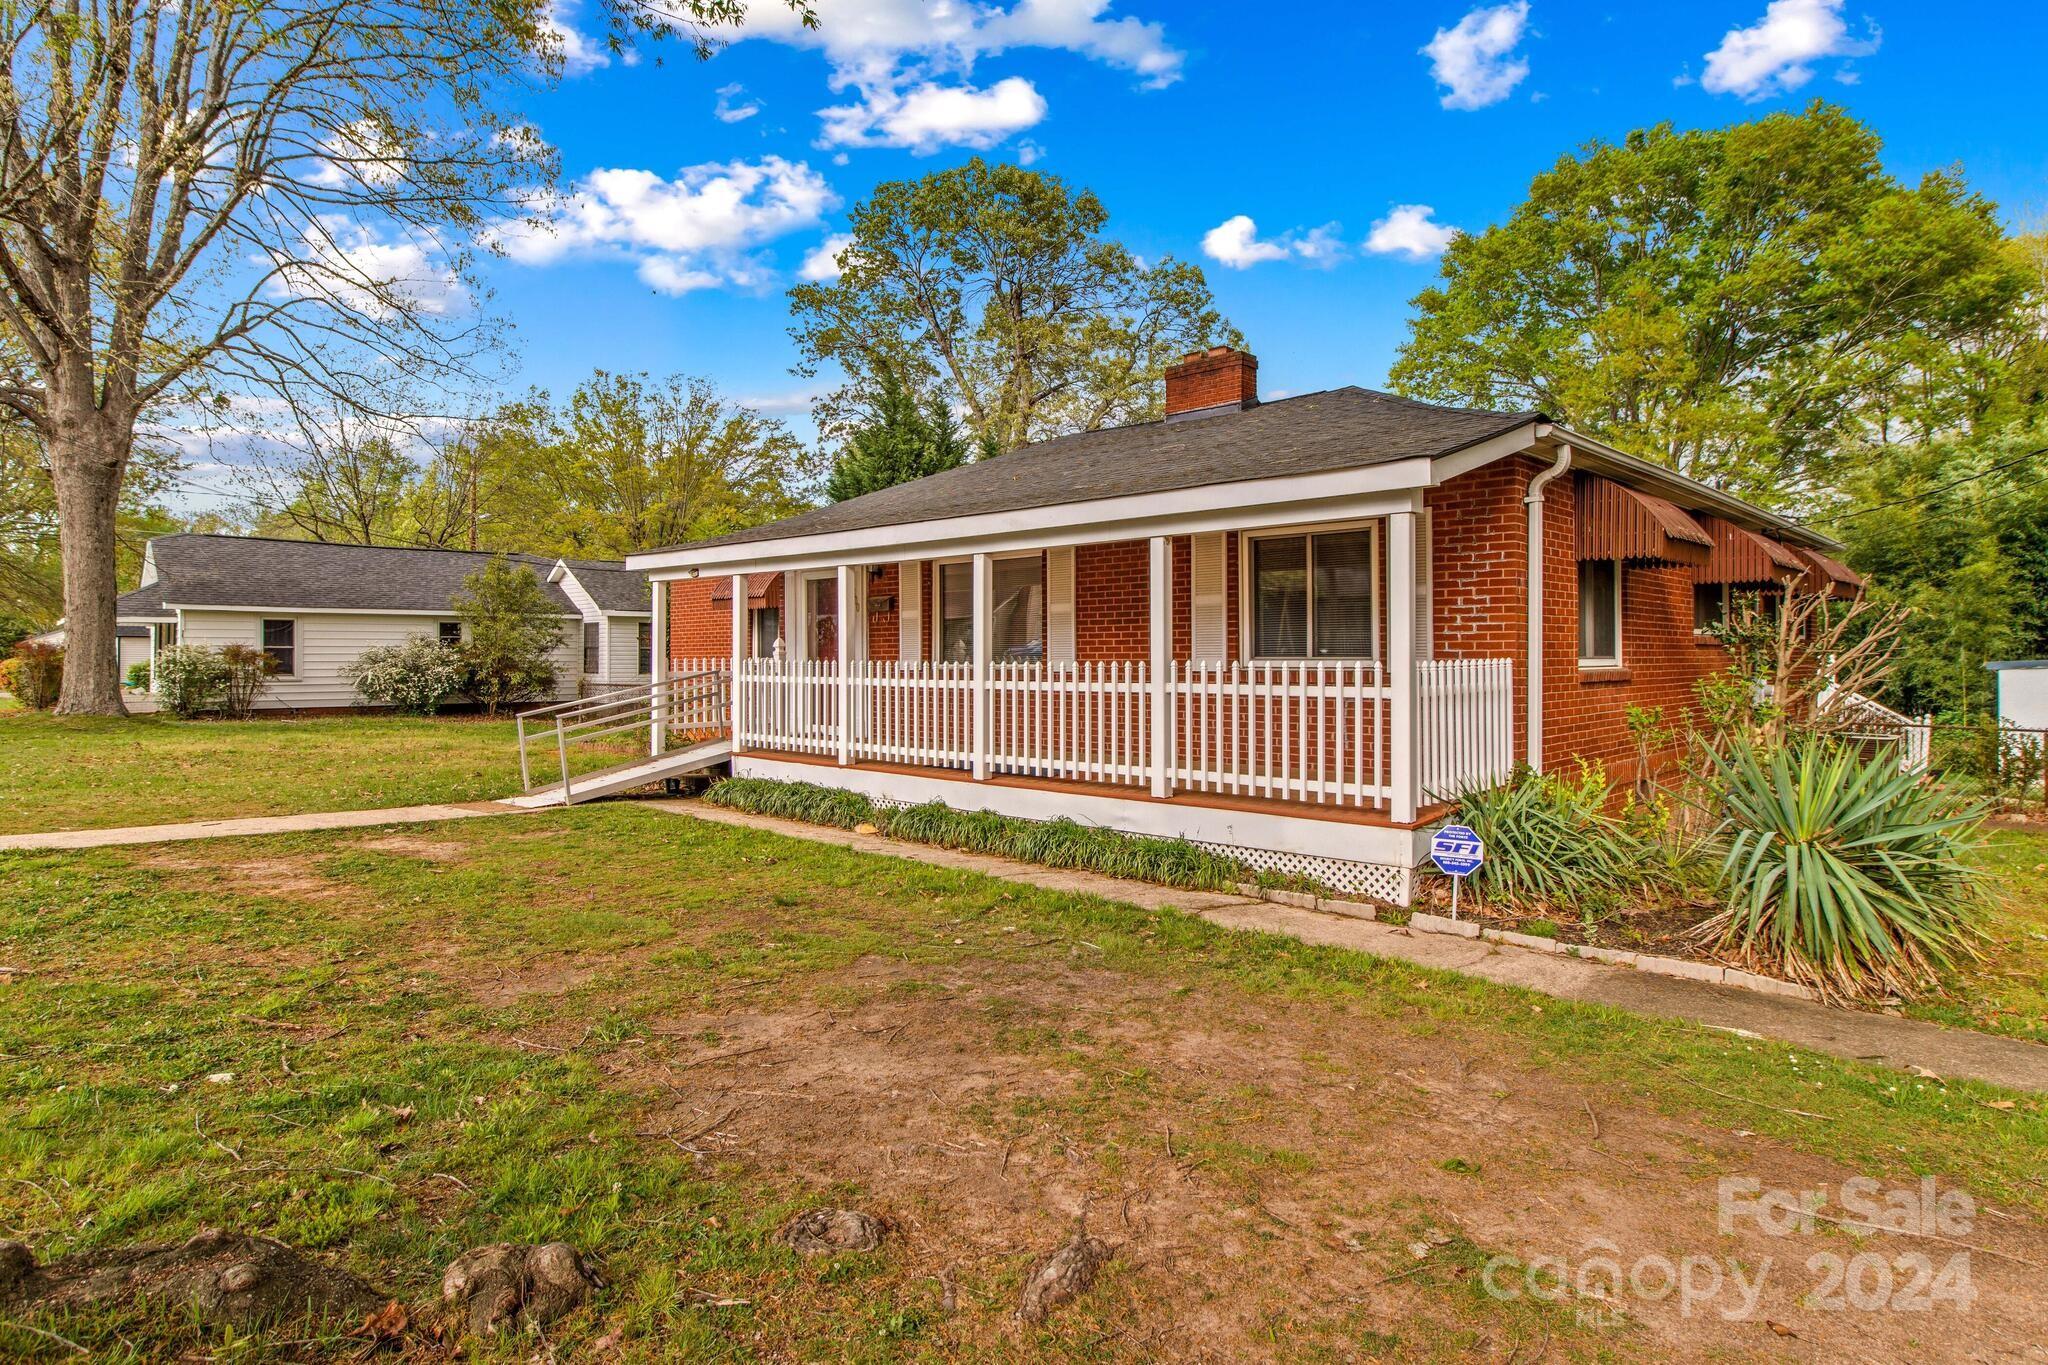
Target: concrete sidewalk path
{"x":1886,"y":1040}
{"x":254,"y":824}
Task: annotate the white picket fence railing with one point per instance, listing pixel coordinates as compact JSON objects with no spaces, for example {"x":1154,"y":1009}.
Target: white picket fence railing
{"x":1466,"y":713}
{"x":1308,"y":731}
{"x":1303,"y":731}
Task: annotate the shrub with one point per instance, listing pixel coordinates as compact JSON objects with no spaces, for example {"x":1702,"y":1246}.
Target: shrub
{"x":415,"y":677}
{"x":1051,"y":843}
{"x":38,"y":674}
{"x":1844,"y":871}
{"x":512,"y":629}
{"x":247,"y":668}
{"x":138,"y":676}
{"x":9,"y":666}
{"x":190,"y":679}
{"x":1554,"y":841}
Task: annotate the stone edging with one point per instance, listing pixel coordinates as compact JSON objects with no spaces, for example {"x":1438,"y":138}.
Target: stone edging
{"x":1684,"y":968}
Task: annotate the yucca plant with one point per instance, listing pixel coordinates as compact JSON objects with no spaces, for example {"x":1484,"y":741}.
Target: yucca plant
{"x":1843,"y":871}
{"x":1554,"y":841}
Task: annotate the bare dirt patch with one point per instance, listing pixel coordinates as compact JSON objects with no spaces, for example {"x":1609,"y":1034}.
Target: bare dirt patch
{"x":1254,"y":1166}
{"x":298,"y":878}
{"x":415,"y":846}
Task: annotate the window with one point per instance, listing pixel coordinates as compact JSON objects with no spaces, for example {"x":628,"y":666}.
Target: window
{"x":645,"y":644}
{"x":281,"y":643}
{"x":1600,"y":613}
{"x":592,"y":654}
{"x":767,"y":632}
{"x":1312,"y":596}
{"x":1016,"y":616}
{"x":451,"y":633}
{"x":1709,"y":606}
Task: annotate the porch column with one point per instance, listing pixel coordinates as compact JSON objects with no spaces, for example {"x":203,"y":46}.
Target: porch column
{"x":984,"y":648}
{"x":1403,"y":760}
{"x":739,"y":651}
{"x":1162,"y":664}
{"x":657,"y":668}
{"x":843,"y":637}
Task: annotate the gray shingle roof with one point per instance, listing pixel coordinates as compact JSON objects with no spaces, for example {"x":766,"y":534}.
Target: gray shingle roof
{"x":613,"y":586}
{"x":252,"y":571}
{"x":143,"y":601}
{"x":1348,"y":428}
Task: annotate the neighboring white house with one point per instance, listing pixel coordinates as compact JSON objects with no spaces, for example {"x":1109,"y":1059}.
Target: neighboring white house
{"x":2022,"y":692}
{"x":316,"y":607}
{"x":133,"y":643}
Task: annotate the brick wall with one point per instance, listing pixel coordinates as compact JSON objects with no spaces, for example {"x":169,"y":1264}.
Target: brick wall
{"x":698,"y":628}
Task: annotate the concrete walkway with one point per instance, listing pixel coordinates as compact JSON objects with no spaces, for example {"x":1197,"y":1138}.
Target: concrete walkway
{"x":255,"y":824}
{"x":1906,"y":1044}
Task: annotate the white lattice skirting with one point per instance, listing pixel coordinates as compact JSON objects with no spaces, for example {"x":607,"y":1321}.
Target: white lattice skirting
{"x":1367,"y":881}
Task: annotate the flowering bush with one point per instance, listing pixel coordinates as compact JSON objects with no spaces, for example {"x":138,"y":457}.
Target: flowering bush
{"x":415,"y":677}
{"x":38,"y":674}
{"x":190,"y":679}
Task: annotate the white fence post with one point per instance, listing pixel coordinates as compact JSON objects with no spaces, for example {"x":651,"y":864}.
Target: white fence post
{"x":657,"y":666}
{"x":739,"y":652}
{"x":1161,"y":581}
{"x":984,"y":646}
{"x":1402,"y":767}
{"x":843,"y":637}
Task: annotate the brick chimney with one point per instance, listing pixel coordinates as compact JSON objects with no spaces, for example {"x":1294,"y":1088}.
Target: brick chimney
{"x":1204,"y":383}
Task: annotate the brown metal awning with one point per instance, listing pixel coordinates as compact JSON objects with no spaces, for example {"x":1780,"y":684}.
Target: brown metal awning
{"x":1747,"y":558}
{"x":1828,"y":575}
{"x":1615,"y":521}
{"x":763,"y":589}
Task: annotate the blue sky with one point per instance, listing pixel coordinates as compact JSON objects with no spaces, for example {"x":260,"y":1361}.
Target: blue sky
{"x":1319,"y":123}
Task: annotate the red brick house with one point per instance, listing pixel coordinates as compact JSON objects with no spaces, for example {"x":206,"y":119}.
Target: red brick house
{"x":1290,"y":630}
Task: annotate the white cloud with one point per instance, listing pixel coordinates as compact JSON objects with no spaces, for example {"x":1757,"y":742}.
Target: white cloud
{"x":927,"y":117}
{"x":1029,"y":153}
{"x":579,"y":53}
{"x":1774,"y":54}
{"x":359,"y":153}
{"x":911,"y":62}
{"x":349,"y":266}
{"x":1235,"y":243}
{"x":729,"y":112}
{"x":693,"y":232}
{"x":1409,"y":231}
{"x":821,"y":263}
{"x":1475,"y":61}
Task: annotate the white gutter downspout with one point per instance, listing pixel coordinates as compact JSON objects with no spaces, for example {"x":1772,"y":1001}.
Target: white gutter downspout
{"x":1534,"y":502}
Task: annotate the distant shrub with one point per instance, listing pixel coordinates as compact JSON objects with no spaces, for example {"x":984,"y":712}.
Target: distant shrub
{"x":38,"y":674}
{"x":510,"y":629}
{"x":190,"y":679}
{"x":9,"y":666}
{"x":415,"y":677}
{"x":138,"y":676}
{"x":247,"y":669}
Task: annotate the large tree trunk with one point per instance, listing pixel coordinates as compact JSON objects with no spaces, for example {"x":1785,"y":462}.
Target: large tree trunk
{"x":86,"y":464}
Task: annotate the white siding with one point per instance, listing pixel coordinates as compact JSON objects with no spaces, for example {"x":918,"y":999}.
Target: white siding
{"x":622,"y":648}
{"x":329,"y":642}
{"x":2023,"y":697}
{"x":132,"y":651}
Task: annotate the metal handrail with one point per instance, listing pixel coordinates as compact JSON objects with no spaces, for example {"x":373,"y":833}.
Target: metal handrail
{"x":588,"y":718}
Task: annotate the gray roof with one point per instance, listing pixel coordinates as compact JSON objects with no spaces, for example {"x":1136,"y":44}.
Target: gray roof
{"x":614,"y":587}
{"x":254,"y":571}
{"x":1999,"y":665}
{"x":1349,"y":428}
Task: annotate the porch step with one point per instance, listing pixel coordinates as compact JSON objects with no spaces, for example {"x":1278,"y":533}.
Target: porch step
{"x":626,"y":776}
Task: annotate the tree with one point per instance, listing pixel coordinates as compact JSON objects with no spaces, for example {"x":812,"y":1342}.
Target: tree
{"x":211,"y":200}
{"x":346,"y":488}
{"x":31,"y":566}
{"x":901,"y":443}
{"x":1737,"y":302}
{"x":992,"y":286}
{"x":512,"y":630}
{"x":630,"y":462}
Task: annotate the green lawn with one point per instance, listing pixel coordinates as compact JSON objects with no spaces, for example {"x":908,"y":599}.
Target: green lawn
{"x":2007,"y":991}
{"x":88,"y":773}
{"x":657,"y":1037}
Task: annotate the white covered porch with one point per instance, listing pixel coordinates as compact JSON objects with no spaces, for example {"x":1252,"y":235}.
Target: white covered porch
{"x":905,"y":674}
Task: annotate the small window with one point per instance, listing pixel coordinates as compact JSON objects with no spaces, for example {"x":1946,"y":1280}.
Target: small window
{"x":1312,"y":596}
{"x":956,"y":613}
{"x":767,"y":631}
{"x":1709,"y":606}
{"x":281,"y":643}
{"x":1017,"y":617}
{"x":451,"y":633}
{"x":592,"y":655}
{"x":646,"y":646}
{"x":1600,"y":613}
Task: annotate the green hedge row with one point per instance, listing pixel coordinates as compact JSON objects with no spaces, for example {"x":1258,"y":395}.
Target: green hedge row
{"x":1051,"y":843}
